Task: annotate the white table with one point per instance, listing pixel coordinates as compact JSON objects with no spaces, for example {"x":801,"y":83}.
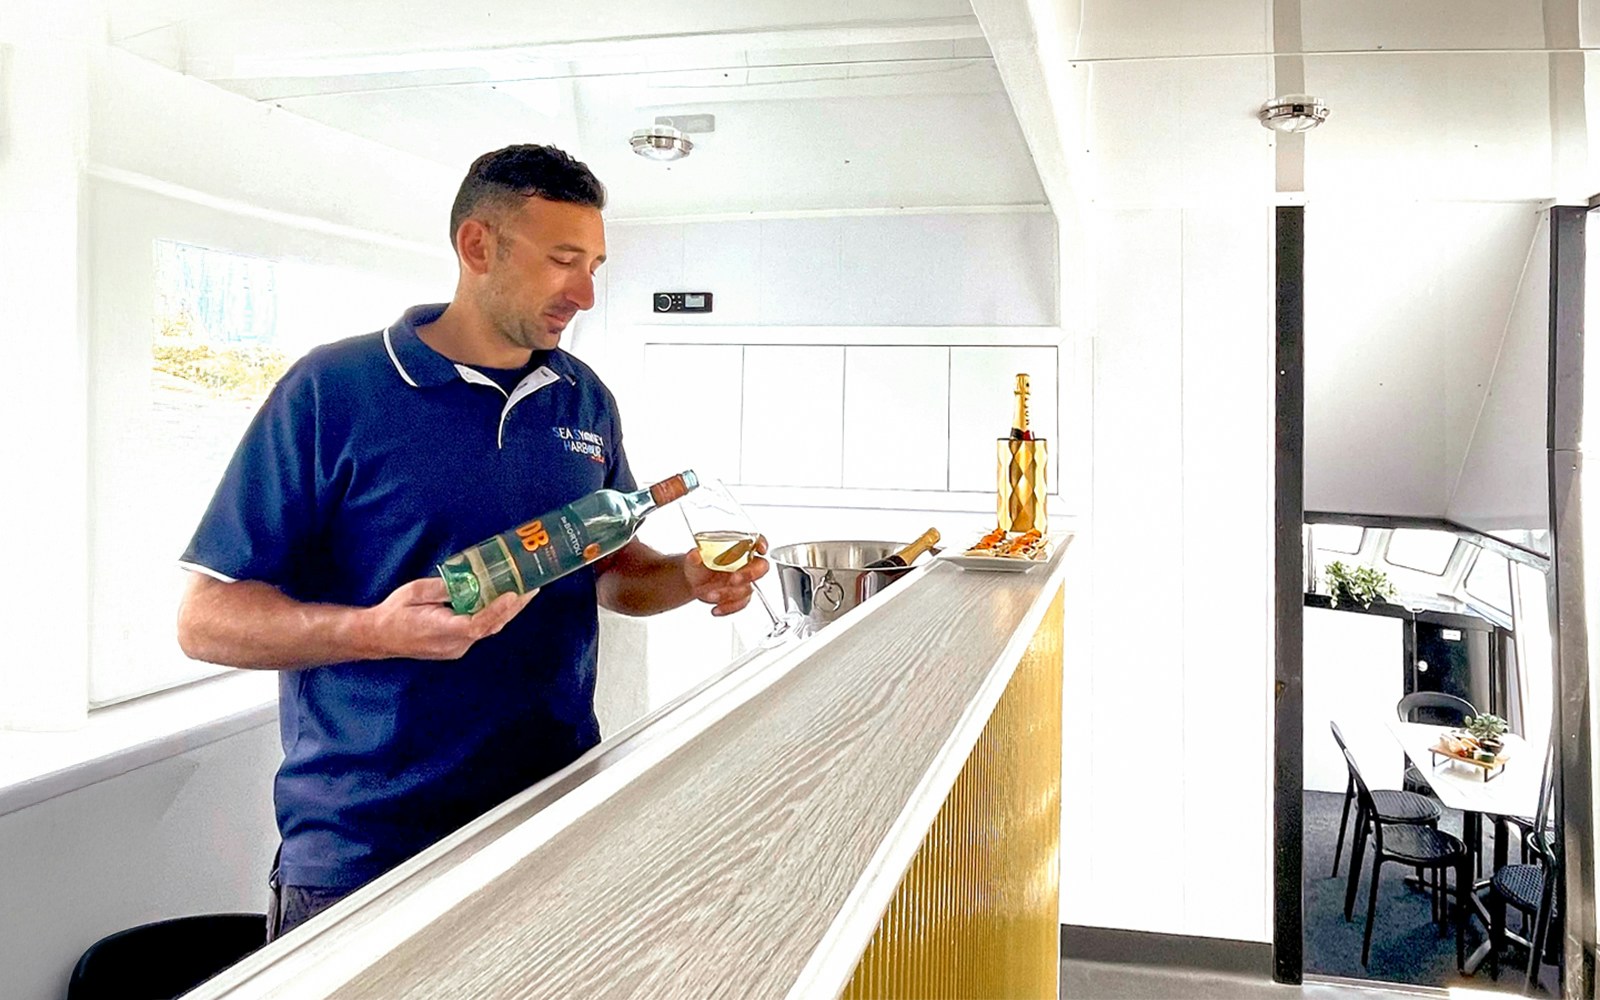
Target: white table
{"x":1513,"y":791}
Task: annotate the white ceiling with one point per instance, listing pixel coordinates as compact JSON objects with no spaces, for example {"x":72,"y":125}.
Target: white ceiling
{"x":1438,"y":99}
{"x":835,"y":104}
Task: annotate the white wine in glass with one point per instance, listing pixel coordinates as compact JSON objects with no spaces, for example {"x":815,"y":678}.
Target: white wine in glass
{"x":726,"y":538}
{"x":725,"y":551}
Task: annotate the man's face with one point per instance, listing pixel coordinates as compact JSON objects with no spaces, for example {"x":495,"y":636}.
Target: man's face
{"x":540,"y":271}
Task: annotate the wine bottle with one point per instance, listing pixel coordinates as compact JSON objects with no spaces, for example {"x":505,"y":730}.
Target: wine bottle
{"x":906,"y":556}
{"x":1019,"y":421}
{"x":552,"y":545}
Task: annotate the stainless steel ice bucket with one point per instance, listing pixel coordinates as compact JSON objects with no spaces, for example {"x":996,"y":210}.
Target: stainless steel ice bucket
{"x":823,"y":580}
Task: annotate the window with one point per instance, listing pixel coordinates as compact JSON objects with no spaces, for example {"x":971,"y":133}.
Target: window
{"x":178,"y":390}
{"x":1424,"y":551}
{"x":1341,"y":538}
{"x":1490,"y":581}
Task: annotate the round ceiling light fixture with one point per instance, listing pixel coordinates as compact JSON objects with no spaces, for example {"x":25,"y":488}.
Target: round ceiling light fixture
{"x":661,"y":142}
{"x":1293,"y":113}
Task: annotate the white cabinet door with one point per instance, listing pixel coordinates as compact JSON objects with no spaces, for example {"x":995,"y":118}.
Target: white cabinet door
{"x":691,"y":420}
{"x":793,"y":416}
{"x":896,"y":417}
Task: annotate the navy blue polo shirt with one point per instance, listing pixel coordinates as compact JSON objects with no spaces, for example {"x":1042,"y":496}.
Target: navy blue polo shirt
{"x":373,"y":459}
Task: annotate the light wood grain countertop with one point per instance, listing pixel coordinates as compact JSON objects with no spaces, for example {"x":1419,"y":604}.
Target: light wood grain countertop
{"x":741,"y":842}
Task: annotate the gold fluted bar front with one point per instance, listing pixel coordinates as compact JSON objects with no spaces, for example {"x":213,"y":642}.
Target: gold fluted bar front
{"x":977,"y":915}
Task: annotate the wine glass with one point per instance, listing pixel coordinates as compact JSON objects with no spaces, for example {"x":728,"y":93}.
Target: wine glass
{"x":726,"y":538}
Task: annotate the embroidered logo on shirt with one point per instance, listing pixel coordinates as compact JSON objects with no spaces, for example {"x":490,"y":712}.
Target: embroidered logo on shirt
{"x":581,"y":442}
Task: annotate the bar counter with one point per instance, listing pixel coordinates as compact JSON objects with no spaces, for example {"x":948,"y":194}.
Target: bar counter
{"x":872,"y":811}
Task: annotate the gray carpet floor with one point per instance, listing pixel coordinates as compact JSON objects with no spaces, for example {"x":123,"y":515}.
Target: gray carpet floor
{"x":1407,"y":946}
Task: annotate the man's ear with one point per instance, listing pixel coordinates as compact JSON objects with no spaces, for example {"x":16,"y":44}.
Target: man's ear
{"x":475,"y":245}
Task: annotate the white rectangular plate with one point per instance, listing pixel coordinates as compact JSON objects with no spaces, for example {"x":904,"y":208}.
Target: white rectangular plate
{"x":1000,"y":564}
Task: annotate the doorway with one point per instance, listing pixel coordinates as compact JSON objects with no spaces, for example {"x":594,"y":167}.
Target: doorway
{"x":1452,"y":629}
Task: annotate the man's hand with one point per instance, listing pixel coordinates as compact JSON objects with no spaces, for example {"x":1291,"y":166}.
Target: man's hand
{"x":729,"y":592}
{"x":416,"y":621}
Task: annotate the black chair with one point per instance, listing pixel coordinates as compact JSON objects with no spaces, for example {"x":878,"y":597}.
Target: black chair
{"x":1529,"y":888}
{"x":1435,"y":708}
{"x":1420,"y":847}
{"x":164,"y":960}
{"x":1393,"y":807}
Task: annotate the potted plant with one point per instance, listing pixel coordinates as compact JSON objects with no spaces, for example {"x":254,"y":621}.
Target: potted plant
{"x":1361,"y":585}
{"x":1487,"y":730}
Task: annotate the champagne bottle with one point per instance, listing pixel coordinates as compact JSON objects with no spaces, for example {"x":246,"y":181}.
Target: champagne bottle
{"x":906,"y":556}
{"x":552,"y":545}
{"x":1019,"y":422}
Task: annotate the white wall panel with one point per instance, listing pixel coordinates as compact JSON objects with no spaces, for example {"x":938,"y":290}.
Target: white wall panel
{"x":725,"y":258}
{"x":955,"y":270}
{"x":642,"y":260}
{"x":1450,"y":125}
{"x":1113,"y":29}
{"x":692,"y":414}
{"x":896,"y":417}
{"x":1136,"y":717}
{"x":941,"y":269}
{"x":793,"y":416}
{"x":982,"y":400}
{"x":800,"y":272}
{"x":1225,"y":559}
{"x":1503,"y":482}
{"x":1195,"y":139}
{"x":1353,"y":675}
{"x":1373,"y":25}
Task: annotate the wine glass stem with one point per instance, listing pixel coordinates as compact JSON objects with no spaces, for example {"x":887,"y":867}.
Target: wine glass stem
{"x":768,"y":607}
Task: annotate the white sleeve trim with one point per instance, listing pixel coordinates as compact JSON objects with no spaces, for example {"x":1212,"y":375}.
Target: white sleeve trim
{"x":206,"y":571}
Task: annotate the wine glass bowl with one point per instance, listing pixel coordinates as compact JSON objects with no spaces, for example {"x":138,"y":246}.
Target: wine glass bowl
{"x":726,"y":537}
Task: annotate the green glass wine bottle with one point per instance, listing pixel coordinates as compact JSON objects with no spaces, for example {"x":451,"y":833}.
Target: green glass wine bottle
{"x":552,"y":545}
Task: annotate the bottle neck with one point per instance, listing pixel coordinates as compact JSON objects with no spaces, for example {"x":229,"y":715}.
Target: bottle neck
{"x":928,"y":540}
{"x":1019,"y":421}
{"x":660,"y":494}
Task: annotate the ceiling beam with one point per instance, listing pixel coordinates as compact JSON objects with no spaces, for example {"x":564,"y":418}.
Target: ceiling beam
{"x":690,"y":46}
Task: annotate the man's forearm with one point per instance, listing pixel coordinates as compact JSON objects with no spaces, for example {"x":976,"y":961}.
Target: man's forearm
{"x":254,"y":625}
{"x":638,"y":580}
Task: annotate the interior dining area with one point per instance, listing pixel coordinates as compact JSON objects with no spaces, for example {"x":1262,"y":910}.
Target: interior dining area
{"x":1458,"y":646}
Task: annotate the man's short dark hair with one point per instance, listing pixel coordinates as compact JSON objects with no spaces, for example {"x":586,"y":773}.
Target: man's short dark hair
{"x":499,"y":181}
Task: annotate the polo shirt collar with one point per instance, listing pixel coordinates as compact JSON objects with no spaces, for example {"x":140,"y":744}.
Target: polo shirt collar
{"x":421,"y":366}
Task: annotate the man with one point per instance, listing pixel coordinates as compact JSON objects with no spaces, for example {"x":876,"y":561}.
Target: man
{"x":372,"y":460}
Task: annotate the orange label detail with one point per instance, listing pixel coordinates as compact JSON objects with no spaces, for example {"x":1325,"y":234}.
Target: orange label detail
{"x":591,"y":552}
{"x":533,"y":535}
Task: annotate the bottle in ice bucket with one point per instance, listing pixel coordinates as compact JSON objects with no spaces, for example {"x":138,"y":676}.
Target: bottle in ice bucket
{"x":1022,"y":466}
{"x":552,"y":545}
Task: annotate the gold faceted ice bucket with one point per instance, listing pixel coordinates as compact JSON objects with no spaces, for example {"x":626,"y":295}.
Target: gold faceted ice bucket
{"x":1023,"y":468}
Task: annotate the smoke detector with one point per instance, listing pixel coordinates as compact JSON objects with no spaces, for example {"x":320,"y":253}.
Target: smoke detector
{"x":1293,"y":113}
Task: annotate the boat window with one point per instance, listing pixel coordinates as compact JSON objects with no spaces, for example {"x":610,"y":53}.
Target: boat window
{"x":1490,"y":582}
{"x":1417,"y":549}
{"x":1342,"y":538}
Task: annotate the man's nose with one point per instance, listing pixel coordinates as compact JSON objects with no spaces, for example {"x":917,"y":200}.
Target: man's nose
{"x":580,"y":291}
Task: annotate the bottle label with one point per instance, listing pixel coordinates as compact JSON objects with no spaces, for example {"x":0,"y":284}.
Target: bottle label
{"x":516,"y":561}
{"x":551,"y":546}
